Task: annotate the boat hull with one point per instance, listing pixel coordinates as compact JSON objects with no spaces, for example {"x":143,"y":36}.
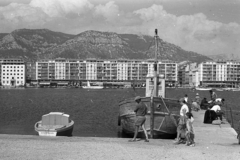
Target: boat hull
{"x":203,"y":89}
{"x":54,"y":130}
{"x":92,"y":87}
{"x":166,"y":115}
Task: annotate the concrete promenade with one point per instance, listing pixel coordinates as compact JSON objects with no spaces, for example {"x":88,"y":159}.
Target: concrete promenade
{"x":212,"y":142}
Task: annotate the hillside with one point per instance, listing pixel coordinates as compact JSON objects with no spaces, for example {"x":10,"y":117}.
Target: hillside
{"x":35,"y":44}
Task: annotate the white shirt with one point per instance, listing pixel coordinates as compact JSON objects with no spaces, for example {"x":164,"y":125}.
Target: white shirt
{"x":184,"y":106}
{"x":218,"y":99}
{"x":186,"y":99}
{"x":215,"y":108}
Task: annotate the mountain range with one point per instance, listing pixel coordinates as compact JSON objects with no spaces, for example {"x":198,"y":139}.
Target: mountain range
{"x":34,"y":44}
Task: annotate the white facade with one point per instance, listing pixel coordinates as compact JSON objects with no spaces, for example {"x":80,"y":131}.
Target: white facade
{"x":91,"y":70}
{"x":221,"y":73}
{"x":13,"y":74}
{"x":122,"y":71}
{"x":60,"y":68}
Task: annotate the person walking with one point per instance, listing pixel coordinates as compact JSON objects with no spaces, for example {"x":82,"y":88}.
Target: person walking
{"x":141,"y":111}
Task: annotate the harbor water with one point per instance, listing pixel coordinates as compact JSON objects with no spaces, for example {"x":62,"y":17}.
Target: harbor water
{"x":95,"y":112}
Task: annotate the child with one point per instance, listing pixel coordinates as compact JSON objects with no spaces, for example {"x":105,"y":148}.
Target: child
{"x":181,"y":128}
{"x":190,"y":132}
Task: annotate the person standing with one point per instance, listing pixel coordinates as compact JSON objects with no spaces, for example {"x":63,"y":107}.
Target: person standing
{"x":183,"y":106}
{"x":189,"y":132}
{"x":181,"y":128}
{"x":213,"y":95}
{"x":186,"y":98}
{"x":141,"y":111}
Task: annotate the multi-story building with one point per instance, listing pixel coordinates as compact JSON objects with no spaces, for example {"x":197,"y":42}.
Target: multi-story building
{"x":181,"y":75}
{"x":102,"y":70}
{"x":30,"y":71}
{"x":1,"y":61}
{"x":219,"y":74}
{"x":13,"y":72}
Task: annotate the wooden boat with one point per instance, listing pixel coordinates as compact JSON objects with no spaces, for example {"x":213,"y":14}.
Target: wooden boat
{"x":89,"y":86}
{"x":166,"y":115}
{"x":163,"y":113}
{"x":235,"y":89}
{"x":55,"y":124}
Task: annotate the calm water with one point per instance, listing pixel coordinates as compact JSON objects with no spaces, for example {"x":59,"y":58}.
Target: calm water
{"x":94,"y":112}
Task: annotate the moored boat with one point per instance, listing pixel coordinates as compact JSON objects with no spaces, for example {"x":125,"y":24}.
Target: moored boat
{"x":203,"y":89}
{"x":235,"y":89}
{"x":163,"y":113}
{"x":55,"y":124}
{"x":89,"y":86}
{"x":166,"y":115}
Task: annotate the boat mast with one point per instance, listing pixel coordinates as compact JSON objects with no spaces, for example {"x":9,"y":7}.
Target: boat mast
{"x":155,"y":93}
{"x":155,"y":87}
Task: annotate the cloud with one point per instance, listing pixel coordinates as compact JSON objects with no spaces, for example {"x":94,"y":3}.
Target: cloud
{"x":109,"y":11}
{"x":60,"y":8}
{"x":20,"y":15}
{"x":191,"y":32}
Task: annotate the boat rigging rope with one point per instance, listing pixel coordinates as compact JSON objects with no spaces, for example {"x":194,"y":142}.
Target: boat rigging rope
{"x":169,"y":113}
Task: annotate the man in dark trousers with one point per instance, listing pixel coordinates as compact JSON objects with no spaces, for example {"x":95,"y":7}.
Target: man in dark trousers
{"x":141,"y":111}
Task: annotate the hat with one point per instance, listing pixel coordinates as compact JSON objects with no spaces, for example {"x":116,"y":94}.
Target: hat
{"x":197,"y":94}
{"x":137,"y":98}
{"x":181,"y":100}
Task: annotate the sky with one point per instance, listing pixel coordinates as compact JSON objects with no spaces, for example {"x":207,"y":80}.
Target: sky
{"x":208,"y":27}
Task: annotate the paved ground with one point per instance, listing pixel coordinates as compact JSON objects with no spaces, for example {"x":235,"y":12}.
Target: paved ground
{"x":212,"y":142}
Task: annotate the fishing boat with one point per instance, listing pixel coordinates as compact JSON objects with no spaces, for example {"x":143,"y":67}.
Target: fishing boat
{"x":89,"y":86}
{"x":54,"y":124}
{"x":235,"y":89}
{"x":166,"y":115}
{"x":163,"y":113}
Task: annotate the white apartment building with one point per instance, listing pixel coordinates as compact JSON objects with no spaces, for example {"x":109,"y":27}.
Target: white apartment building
{"x":102,"y":70}
{"x":122,"y":70}
{"x":220,"y":73}
{"x":13,"y":73}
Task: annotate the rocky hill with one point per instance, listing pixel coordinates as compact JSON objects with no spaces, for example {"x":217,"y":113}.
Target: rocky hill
{"x":42,"y":43}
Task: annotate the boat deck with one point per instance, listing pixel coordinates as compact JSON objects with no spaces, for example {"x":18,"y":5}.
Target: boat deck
{"x":50,"y":127}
